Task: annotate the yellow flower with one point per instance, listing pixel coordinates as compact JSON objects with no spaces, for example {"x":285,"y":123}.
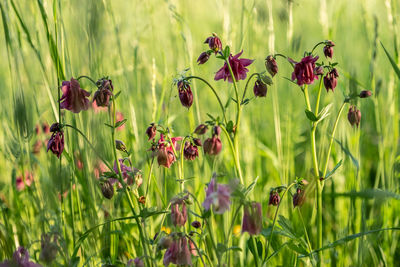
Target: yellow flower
{"x":166,"y":229}
{"x":236,"y":230}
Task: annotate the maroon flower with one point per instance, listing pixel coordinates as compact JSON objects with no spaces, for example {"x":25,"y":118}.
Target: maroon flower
{"x":203,"y":58}
{"x":271,"y":66}
{"x":365,"y":94}
{"x":260,"y":88}
{"x":178,"y":253}
{"x":238,"y":66}
{"x":217,"y":195}
{"x":107,"y":189}
{"x":128,"y":174}
{"x":196,"y":224}
{"x":214,"y":43}
{"x":102,"y":97}
{"x":74,"y":98}
{"x":185,"y":94}
{"x":165,"y":151}
{"x":201,"y":129}
{"x":23,"y":180}
{"x":304,"y":70}
{"x":328,"y":49}
{"x":56,"y":142}
{"x":212,"y":146}
{"x":330,"y":80}
{"x":298,"y":198}
{"x":274,"y":198}
{"x":151,"y":131}
{"x":354,"y":116}
{"x":252,"y":218}
{"x":190,"y":151}
{"x":178,"y":211}
{"x":20,"y":259}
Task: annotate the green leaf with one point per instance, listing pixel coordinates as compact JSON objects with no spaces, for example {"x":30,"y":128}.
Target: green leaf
{"x":120,"y":123}
{"x":394,"y":65}
{"x":251,"y":186}
{"x":227,"y":52}
{"x":106,"y":124}
{"x":229,"y":127}
{"x":310,"y":115}
{"x":334,"y":169}
{"x":266,"y":79}
{"x":287,"y":227}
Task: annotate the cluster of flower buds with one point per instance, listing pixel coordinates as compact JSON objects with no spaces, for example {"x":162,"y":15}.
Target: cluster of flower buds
{"x":191,"y":151}
{"x":103,"y":93}
{"x":213,"y":145}
{"x":330,"y":80}
{"x":215,"y":45}
{"x":185,"y":93}
{"x":56,"y":142}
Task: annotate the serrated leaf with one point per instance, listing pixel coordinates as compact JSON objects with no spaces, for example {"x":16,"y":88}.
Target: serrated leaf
{"x":298,"y":248}
{"x":310,"y":115}
{"x":334,"y":169}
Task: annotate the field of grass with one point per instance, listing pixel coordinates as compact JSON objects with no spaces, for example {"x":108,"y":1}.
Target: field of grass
{"x":57,"y":208}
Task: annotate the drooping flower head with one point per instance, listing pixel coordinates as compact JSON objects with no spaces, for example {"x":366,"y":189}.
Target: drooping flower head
{"x":151,"y":131}
{"x":103,"y":93}
{"x":217,"y":195}
{"x":20,"y":259}
{"x":260,"y":88}
{"x":178,"y":211}
{"x":365,"y":94}
{"x":203,"y":58}
{"x":165,"y":151}
{"x":328,"y":49}
{"x":354,"y":116}
{"x":238,"y":66}
{"x":107,"y":189}
{"x":56,"y":142}
{"x":330,"y":80}
{"x":274,"y":198}
{"x":271,"y":65}
{"x":178,"y":252}
{"x":201,"y":129}
{"x":129,"y":174}
{"x":252,"y":218}
{"x":213,"y":145}
{"x":214,"y":43}
{"x":304,"y":71}
{"x":74,"y":98}
{"x":299,"y":197}
{"x":190,"y":151}
{"x":185,"y":93}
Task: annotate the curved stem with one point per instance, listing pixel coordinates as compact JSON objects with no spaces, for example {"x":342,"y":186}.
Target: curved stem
{"x":236,"y":159}
{"x":317,"y":46}
{"x":318,"y":97}
{"x":274,"y":222}
{"x":198,"y":250}
{"x":245,"y":88}
{"x":213,"y":90}
{"x":87,"y":77}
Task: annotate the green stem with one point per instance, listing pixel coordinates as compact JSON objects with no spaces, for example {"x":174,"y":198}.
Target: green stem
{"x":255,"y":251}
{"x":319,"y":221}
{"x":236,"y":159}
{"x":306,"y":97}
{"x":198,"y":250}
{"x":247,"y":84}
{"x":87,"y":77}
{"x":214,"y":91}
{"x":305,"y":231}
{"x":318,"y":96}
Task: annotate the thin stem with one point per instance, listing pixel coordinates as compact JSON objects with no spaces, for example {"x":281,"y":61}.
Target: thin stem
{"x":331,"y":140}
{"x":214,"y":91}
{"x":319,"y":221}
{"x":181,"y":166}
{"x":318,"y":97}
{"x":236,"y":159}
{"x":306,"y":97}
{"x":305,"y":231}
{"x":87,"y":77}
{"x":247,"y":83}
{"x":198,"y":250}
{"x":255,"y":251}
{"x":320,"y":43}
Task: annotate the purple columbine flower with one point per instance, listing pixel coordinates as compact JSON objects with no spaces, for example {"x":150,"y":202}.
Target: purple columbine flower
{"x":238,"y":66}
{"x":203,"y":58}
{"x":178,"y":252}
{"x":252,"y":218}
{"x":260,"y":88}
{"x":178,"y":211}
{"x":151,"y":131}
{"x":185,"y":94}
{"x":74,"y":98}
{"x":217,"y":195}
{"x":190,"y":152}
{"x":165,"y":152}
{"x":201,"y":129}
{"x":354,"y":116}
{"x":20,"y":259}
{"x":274,"y":198}
{"x":127,"y":173}
{"x":328,"y":49}
{"x":56,"y":142}
{"x":271,"y":65}
{"x":304,"y":70}
{"x":330,"y":80}
{"x":214,"y":43}
{"x":298,"y":198}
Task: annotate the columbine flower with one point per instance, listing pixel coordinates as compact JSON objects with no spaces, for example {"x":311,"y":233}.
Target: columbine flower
{"x":298,"y":198}
{"x":271,"y":66}
{"x":304,"y":70}
{"x":214,"y":43}
{"x":178,"y":211}
{"x":185,"y":93}
{"x":23,"y":180}
{"x":20,"y":259}
{"x":274,"y":198}
{"x":365,"y":94}
{"x":260,"y":88}
{"x":103,"y":93}
{"x":151,"y":131}
{"x":217,"y":195}
{"x":56,"y":142}
{"x":252,"y":218}
{"x":165,"y":152}
{"x":107,"y":189}
{"x":190,"y":152}
{"x":196,"y":224}
{"x":330,"y":80}
{"x":201,"y":129}
{"x":354,"y":116}
{"x":213,"y":145}
{"x":238,"y":66}
{"x":178,"y":253}
{"x":127,"y":174}
{"x":74,"y":98}
{"x":328,"y":49}
{"x":203,"y":58}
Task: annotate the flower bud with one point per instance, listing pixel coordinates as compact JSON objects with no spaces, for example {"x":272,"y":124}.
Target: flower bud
{"x":271,"y":66}
{"x":216,"y":130}
{"x":203,"y":58}
{"x":151,"y":131}
{"x":197,"y":141}
{"x":142,"y":200}
{"x":330,"y":80}
{"x":298,"y":198}
{"x":212,"y":146}
{"x":328,"y":49}
{"x":260,"y":89}
{"x":107,"y":189}
{"x":354,"y":116}
{"x":190,"y":151}
{"x":120,"y":145}
{"x":319,"y":70}
{"x":56,"y":142}
{"x":103,"y":94}
{"x":214,"y":43}
{"x":365,"y":94}
{"x":185,"y":94}
{"x":55,"y":127}
{"x":201,"y":129}
{"x":274,"y":198}
{"x":196,"y":224}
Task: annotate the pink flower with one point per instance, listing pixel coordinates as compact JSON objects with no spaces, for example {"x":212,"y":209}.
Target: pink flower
{"x":21,"y":181}
{"x":178,"y":253}
{"x":20,"y":259}
{"x":74,"y":98}
{"x":178,"y":211}
{"x":165,"y":152}
{"x":252,"y":218}
{"x":304,"y":70}
{"x":120,"y":117}
{"x":238,"y":68}
{"x":190,"y":152}
{"x":217,"y":195}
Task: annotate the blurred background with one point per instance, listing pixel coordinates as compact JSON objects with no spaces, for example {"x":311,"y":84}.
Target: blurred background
{"x":142,"y":46}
